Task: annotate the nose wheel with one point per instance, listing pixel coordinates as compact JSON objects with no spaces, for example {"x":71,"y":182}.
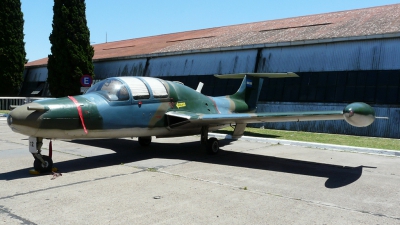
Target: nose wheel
{"x":42,"y":163}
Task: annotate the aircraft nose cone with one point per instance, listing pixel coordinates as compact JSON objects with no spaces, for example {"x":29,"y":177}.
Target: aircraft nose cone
{"x":24,"y":120}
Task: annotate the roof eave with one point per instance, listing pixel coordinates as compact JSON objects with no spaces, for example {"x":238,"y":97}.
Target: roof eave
{"x":248,"y":47}
{"x":257,"y":46}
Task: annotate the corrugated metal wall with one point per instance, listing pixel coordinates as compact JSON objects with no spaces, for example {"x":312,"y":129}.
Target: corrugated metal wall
{"x":203,"y":64}
{"x":341,"y":56}
{"x":379,"y":54}
{"x":102,"y":70}
{"x":380,"y":128}
{"x":37,"y":74}
{"x":34,"y":81}
{"x":132,"y":67}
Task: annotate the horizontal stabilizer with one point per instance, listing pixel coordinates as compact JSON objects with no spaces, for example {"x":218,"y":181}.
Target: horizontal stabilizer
{"x":268,"y":75}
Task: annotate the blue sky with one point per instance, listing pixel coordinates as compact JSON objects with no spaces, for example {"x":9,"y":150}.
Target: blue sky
{"x":127,"y":19}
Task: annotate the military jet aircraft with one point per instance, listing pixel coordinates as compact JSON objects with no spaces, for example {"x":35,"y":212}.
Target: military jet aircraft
{"x":143,"y":107}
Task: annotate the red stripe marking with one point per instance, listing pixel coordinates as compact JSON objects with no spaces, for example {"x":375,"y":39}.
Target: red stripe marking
{"x":50,"y":149}
{"x":215,"y":104}
{"x":79,"y":112}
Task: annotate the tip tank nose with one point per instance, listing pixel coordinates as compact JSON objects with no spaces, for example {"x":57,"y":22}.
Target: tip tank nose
{"x":359,"y":114}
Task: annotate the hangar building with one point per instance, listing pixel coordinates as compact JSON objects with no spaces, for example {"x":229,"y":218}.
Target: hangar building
{"x":341,"y":57}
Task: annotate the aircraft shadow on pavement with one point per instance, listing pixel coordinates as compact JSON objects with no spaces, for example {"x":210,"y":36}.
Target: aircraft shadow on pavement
{"x":250,"y":133}
{"x":128,"y":151}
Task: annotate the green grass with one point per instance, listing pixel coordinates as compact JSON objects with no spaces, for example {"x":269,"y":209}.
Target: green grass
{"x":152,"y":169}
{"x":4,"y":111}
{"x":337,"y":139}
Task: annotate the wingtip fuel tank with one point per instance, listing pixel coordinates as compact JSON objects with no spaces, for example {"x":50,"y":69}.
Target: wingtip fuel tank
{"x":359,"y":114}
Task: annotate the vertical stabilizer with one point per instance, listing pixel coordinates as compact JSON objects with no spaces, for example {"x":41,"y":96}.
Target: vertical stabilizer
{"x":250,"y":89}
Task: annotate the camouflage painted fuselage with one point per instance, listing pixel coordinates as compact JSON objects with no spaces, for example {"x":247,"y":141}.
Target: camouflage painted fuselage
{"x":145,"y":106}
{"x":104,"y":118}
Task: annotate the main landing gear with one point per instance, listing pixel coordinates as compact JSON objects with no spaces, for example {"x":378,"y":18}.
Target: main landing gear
{"x":211,"y":144}
{"x":144,"y":141}
{"x":42,"y":163}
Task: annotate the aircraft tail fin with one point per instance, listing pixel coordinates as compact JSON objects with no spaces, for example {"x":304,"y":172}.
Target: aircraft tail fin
{"x":250,"y":89}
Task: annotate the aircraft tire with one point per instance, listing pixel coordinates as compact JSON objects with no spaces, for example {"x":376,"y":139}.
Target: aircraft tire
{"x":144,"y":141}
{"x":212,"y":146}
{"x":40,"y":167}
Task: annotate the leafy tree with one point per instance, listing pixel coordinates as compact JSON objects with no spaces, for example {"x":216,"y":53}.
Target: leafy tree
{"x":12,"y":47}
{"x":71,"y":52}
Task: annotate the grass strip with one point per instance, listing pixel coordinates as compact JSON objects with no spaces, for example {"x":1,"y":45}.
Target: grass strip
{"x":337,"y":139}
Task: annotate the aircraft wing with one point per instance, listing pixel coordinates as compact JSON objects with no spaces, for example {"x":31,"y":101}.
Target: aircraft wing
{"x":184,"y":119}
{"x":357,"y":114}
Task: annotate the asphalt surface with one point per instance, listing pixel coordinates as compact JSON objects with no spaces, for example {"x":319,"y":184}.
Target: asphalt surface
{"x":174,"y":181}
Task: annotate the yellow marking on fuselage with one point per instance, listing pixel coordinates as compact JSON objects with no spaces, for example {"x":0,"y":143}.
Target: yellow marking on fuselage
{"x":180,"y":104}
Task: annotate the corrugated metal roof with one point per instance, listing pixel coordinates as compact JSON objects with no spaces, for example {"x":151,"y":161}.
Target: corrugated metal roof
{"x":329,"y":26}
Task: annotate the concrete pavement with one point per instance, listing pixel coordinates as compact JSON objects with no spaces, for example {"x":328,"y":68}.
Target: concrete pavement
{"x":173,"y":181}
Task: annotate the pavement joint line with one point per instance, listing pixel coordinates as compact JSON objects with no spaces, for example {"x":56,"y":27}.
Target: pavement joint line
{"x":318,"y":203}
{"x":12,"y":142}
{"x":160,"y":167}
{"x":14,"y":216}
{"x":67,"y":185}
{"x":333,"y":147}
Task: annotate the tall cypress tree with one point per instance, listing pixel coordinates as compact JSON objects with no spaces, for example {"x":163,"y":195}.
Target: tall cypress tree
{"x":71,"y":52}
{"x":12,"y":47}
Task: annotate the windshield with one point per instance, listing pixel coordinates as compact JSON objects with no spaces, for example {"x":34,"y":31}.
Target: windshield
{"x":112,"y":89}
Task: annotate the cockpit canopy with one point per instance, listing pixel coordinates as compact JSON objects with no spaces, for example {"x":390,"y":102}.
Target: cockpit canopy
{"x":115,"y":89}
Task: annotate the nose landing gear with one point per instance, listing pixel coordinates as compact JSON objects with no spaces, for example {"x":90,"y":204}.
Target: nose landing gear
{"x":45,"y":164}
{"x":42,"y":163}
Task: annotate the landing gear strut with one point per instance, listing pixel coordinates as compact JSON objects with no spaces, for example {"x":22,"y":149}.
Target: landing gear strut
{"x":211,"y":144}
{"x":42,"y":163}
